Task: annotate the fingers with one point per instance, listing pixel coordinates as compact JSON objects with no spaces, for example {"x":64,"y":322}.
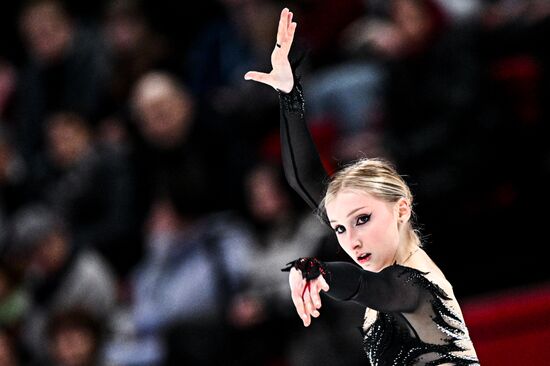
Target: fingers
{"x":286,"y":30}
{"x":306,"y":298}
{"x":305,"y":295}
{"x":311,"y":310}
{"x":281,"y":29}
{"x":297,"y":299}
{"x":289,"y":37}
{"x":324,"y":285}
{"x":315,"y":288}
{"x":289,"y":16}
{"x":311,"y":300}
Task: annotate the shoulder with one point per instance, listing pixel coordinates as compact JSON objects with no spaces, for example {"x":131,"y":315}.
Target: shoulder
{"x":432,"y":272}
{"x":422,"y":279}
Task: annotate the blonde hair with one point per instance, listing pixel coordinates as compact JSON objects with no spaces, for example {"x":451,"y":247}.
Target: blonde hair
{"x":376,"y":177}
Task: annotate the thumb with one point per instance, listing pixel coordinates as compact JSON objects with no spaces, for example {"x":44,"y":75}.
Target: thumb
{"x":259,"y":77}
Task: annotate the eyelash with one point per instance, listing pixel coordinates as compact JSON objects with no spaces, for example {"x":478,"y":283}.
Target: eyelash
{"x":361,"y":219}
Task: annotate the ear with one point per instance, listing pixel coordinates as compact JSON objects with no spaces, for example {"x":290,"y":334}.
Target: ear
{"x":404,"y":211}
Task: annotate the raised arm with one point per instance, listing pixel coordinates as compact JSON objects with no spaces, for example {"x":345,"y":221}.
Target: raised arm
{"x":303,"y":167}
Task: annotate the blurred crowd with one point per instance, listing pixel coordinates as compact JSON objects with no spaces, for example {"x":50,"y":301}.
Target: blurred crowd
{"x":144,"y":215}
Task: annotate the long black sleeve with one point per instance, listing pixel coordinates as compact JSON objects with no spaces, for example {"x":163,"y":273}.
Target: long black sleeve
{"x":390,"y":290}
{"x":303,"y":168}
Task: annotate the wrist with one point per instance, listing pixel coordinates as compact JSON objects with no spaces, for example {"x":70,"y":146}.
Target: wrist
{"x":293,"y":101}
{"x":286,"y":88}
{"x":311,"y":268}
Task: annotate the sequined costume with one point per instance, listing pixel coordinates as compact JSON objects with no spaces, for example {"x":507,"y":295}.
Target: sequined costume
{"x":416,"y":322}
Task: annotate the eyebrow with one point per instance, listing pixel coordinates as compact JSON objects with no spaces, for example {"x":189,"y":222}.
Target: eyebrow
{"x":352,"y":212}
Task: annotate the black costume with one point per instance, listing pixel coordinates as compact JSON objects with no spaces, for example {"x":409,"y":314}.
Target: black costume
{"x":403,"y":296}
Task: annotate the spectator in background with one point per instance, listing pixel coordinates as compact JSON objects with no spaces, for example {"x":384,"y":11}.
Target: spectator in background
{"x":194,"y":265}
{"x":90,"y":186}
{"x":134,"y":48}
{"x":323,"y":23}
{"x":75,"y":338}
{"x":223,"y":49}
{"x":66,"y":68}
{"x":430,"y":95}
{"x":345,"y":81}
{"x":213,"y":67}
{"x":516,"y":85}
{"x":59,"y":275}
{"x":435,"y":122}
{"x":174,"y":144}
{"x":283,"y":228}
{"x":440,"y":110}
{"x":280,"y":229}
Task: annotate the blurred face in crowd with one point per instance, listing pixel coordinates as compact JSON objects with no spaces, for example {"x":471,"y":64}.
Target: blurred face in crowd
{"x":73,"y":346}
{"x":47,"y":30}
{"x":163,"y":218}
{"x":125,"y":27}
{"x":267,"y":200}
{"x":49,"y":255}
{"x":163,"y":228}
{"x":412,"y":24}
{"x":412,"y":18}
{"x":164,"y":110}
{"x":68,"y":139}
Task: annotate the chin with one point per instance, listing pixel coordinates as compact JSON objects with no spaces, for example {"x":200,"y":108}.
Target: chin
{"x":369,"y":267}
{"x":373,"y":267}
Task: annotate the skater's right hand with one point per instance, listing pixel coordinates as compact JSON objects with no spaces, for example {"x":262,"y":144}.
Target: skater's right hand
{"x":305,"y":295}
{"x":280,"y":77}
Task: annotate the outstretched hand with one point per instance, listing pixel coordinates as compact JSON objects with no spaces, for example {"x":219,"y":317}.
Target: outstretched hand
{"x":305,"y":295}
{"x":280,"y":77}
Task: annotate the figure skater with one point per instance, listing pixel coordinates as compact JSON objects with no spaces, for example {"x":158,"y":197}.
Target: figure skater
{"x":412,"y":315}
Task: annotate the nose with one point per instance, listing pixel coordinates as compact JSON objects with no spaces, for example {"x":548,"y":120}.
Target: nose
{"x":354,"y":241}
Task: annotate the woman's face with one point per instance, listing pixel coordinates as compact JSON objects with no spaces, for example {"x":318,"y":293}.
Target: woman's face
{"x":366,"y":228}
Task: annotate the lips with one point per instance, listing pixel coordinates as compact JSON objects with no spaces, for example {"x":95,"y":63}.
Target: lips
{"x":363,"y":258}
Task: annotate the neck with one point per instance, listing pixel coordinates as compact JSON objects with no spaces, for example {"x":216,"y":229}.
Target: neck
{"x":407,"y":256}
{"x":408,"y":246}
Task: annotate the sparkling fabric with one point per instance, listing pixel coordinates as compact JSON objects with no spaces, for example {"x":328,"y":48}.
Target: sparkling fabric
{"x":391,"y":340}
{"x":293,"y":102}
